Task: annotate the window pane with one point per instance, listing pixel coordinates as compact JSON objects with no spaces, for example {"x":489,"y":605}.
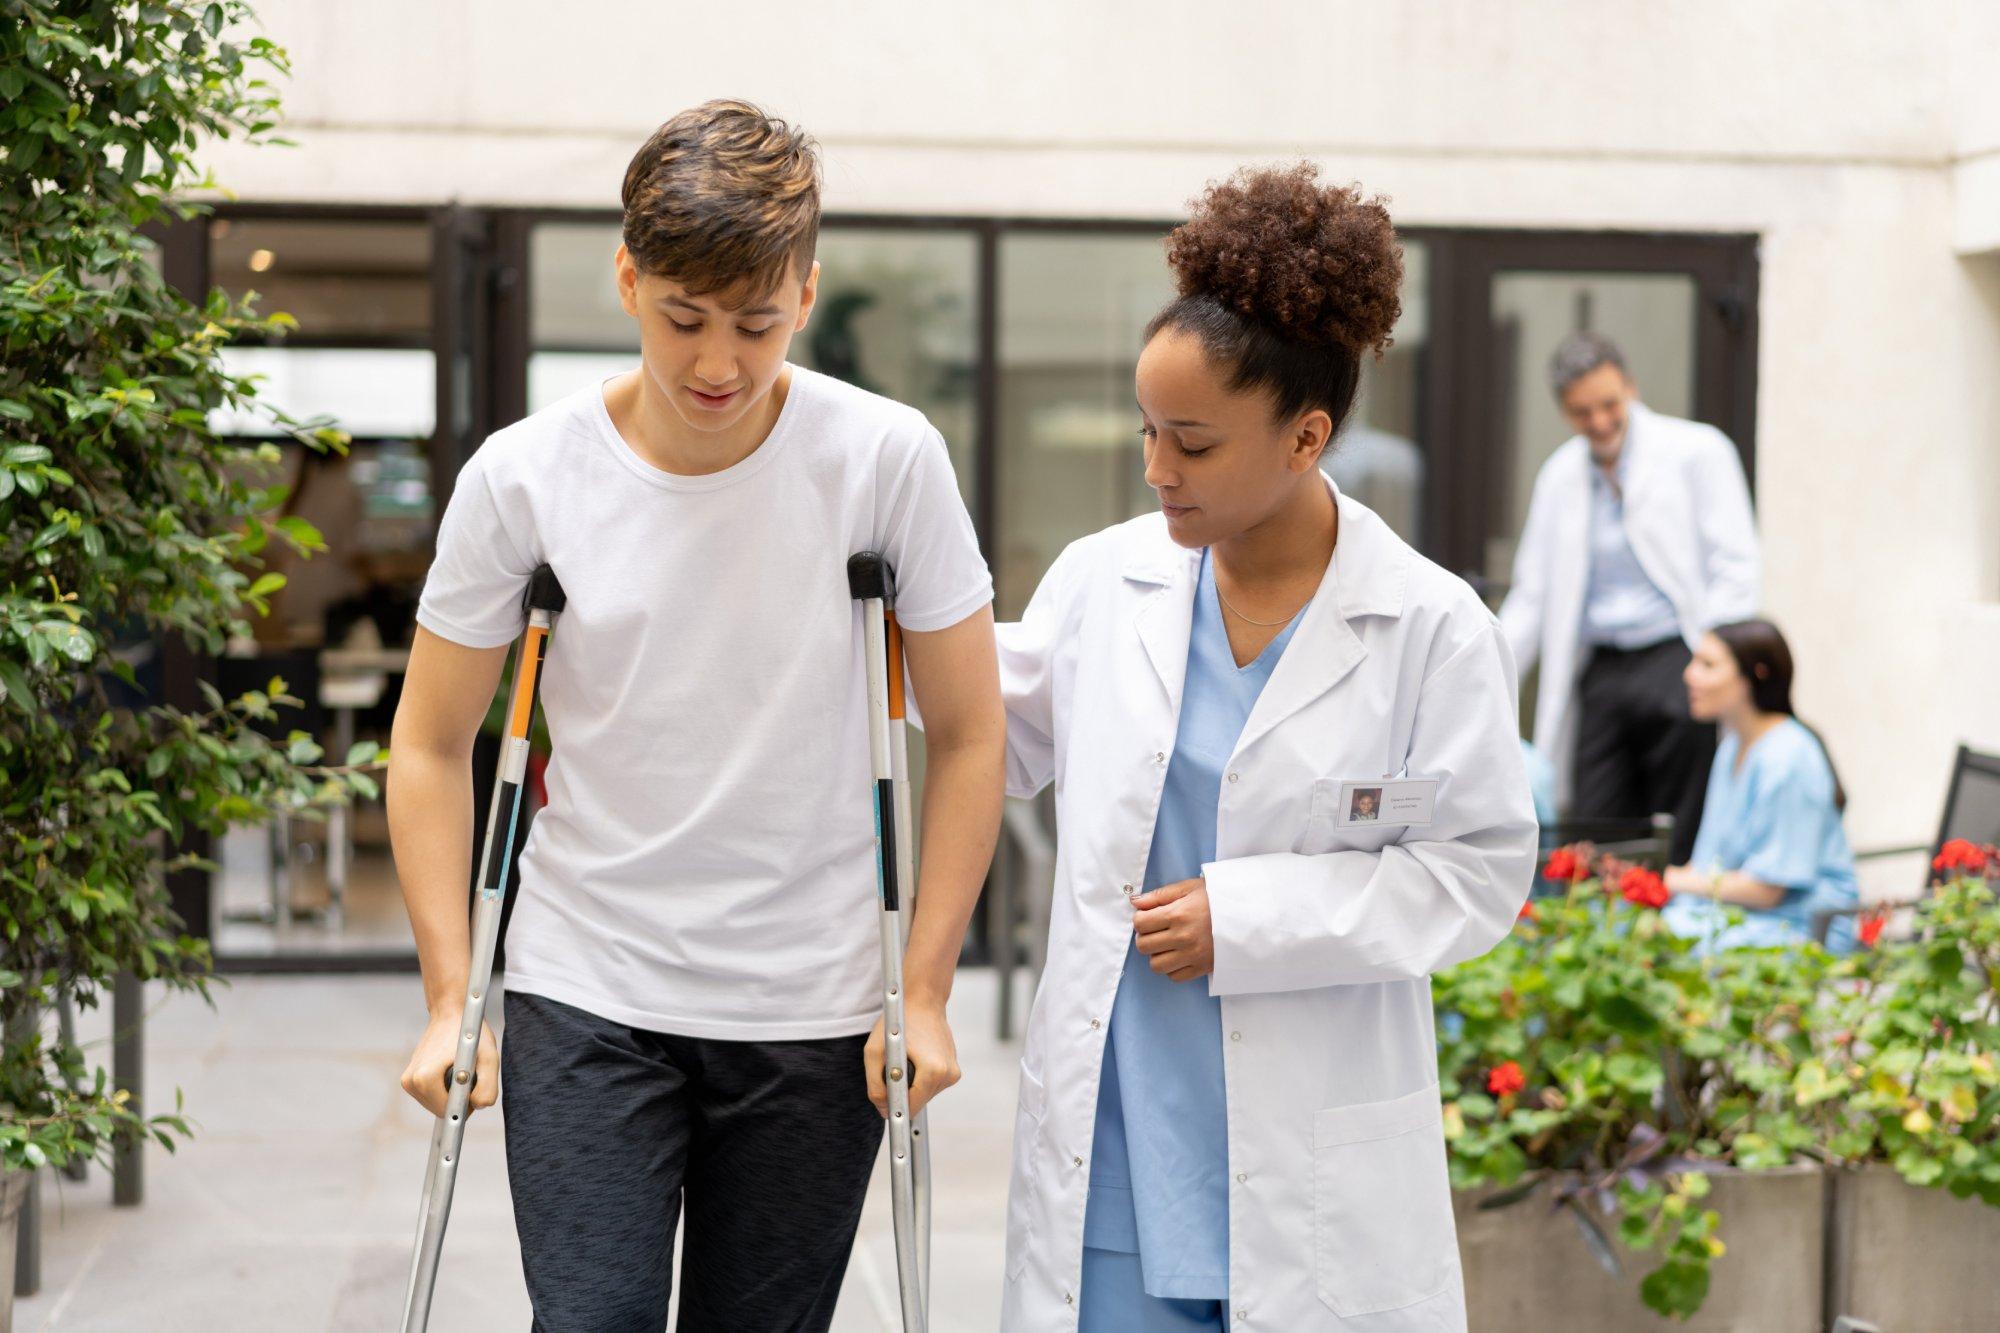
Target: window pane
{"x":1650,"y":315}
{"x":371,"y":393}
{"x":1072,"y":310}
{"x":895,"y":315}
{"x":362,"y":355}
{"x":345,"y":282}
{"x":573,"y":293}
{"x":1380,"y":456}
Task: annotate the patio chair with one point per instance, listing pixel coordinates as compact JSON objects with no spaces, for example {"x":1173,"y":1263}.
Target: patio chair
{"x":1971,"y":811}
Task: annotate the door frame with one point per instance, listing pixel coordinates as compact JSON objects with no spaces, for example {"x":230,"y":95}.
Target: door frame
{"x":1464,"y":395}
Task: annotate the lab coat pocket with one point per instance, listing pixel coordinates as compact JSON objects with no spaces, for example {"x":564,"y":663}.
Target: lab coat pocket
{"x":1027,"y":1171}
{"x":1323,"y":832}
{"x":1382,"y":1225}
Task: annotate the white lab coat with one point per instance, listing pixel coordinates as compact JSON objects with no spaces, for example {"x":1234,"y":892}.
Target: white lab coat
{"x":1687,"y":515}
{"x":1325,"y":939}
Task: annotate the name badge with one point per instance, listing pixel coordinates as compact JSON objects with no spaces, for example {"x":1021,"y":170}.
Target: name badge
{"x":1405,"y":801}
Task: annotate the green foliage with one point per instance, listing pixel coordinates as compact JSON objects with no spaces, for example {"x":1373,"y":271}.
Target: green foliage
{"x":1598,"y":1060}
{"x":124,"y":521}
{"x":1912,"y":1037}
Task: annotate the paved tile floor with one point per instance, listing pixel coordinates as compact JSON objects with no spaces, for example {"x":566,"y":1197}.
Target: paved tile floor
{"x":294,"y":1206}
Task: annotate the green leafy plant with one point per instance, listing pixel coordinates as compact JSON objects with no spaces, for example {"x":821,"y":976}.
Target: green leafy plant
{"x":1587,"y":1057}
{"x":124,"y":520}
{"x":1599,"y":1060}
{"x":1911,"y":1040}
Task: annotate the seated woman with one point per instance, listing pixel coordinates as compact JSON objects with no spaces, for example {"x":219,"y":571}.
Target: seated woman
{"x":1770,"y":841}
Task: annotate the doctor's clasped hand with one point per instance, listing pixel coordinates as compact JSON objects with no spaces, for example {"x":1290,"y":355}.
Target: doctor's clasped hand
{"x":1173,"y":929}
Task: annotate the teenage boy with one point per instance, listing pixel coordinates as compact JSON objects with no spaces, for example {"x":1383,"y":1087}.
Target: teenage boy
{"x":693,"y":964}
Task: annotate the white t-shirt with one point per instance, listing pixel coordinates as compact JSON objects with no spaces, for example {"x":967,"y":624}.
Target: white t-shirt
{"x":705,"y":865}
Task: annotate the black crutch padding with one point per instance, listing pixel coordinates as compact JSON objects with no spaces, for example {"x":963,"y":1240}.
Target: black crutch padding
{"x":542,"y":603}
{"x":873,"y":584}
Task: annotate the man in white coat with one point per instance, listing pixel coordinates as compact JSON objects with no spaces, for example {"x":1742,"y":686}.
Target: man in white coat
{"x":1639,"y":538}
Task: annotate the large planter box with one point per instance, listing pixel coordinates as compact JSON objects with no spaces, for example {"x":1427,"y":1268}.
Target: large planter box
{"x":1527,"y":1270}
{"x":13,"y":1193}
{"x":1910,"y":1258}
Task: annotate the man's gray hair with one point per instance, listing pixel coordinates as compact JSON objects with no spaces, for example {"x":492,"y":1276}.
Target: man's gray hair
{"x":1578,"y":355}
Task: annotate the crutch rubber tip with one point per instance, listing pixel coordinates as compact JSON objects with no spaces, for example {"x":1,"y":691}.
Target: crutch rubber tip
{"x":869,"y":576}
{"x":545,"y":591}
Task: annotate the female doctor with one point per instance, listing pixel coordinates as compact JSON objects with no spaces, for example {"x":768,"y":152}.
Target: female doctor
{"x":1229,"y":1112}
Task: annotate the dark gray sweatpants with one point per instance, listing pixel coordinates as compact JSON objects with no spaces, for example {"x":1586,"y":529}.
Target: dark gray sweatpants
{"x":611,"y":1129}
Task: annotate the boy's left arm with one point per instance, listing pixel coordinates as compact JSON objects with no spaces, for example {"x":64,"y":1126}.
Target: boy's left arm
{"x":956,"y":683}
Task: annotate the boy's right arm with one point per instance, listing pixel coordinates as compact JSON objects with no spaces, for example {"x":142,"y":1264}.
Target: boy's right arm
{"x":445,"y":697}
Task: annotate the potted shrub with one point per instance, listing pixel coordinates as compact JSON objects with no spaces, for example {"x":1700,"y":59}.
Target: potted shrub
{"x":123,"y":519}
{"x":1838,"y":1119}
{"x":1911,"y":1057}
{"x":1607,"y":1086}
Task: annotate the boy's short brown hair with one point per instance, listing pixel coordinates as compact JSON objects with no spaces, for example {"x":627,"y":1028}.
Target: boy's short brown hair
{"x":724,"y":198}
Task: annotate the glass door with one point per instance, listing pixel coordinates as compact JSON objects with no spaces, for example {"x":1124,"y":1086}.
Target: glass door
{"x":1682,"y":308}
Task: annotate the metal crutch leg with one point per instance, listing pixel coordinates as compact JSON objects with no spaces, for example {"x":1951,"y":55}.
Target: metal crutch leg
{"x":906,"y":874}
{"x":544,"y":603}
{"x":873,"y":584}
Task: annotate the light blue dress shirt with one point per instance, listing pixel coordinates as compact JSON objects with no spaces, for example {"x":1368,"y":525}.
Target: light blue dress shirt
{"x":1622,"y":607}
{"x":1159,"y":1172}
{"x":1776,"y":822}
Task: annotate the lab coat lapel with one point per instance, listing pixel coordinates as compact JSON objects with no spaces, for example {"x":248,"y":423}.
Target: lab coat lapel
{"x":1570,"y":581}
{"x":1166,"y":618}
{"x":1366,"y":576}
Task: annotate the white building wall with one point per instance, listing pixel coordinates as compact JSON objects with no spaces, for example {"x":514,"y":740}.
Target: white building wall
{"x":1860,"y":140}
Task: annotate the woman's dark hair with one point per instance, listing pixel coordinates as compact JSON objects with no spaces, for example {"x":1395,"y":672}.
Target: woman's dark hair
{"x":1286,"y":282}
{"x":1765,"y":660}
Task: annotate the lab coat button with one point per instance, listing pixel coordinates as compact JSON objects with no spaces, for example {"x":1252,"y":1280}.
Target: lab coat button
{"x":1242,"y":1177}
{"x":1232,"y":777}
{"x":1128,"y":890}
{"x":1236,"y":1036}
{"x":1159,"y":756}
{"x":1077,"y":1160}
{"x":1094,"y":1025}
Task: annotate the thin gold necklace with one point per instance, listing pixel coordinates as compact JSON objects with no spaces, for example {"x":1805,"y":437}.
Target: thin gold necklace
{"x":1261,"y":624}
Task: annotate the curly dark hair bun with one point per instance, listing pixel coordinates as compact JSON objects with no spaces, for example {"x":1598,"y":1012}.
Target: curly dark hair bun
{"x":1315,"y":264}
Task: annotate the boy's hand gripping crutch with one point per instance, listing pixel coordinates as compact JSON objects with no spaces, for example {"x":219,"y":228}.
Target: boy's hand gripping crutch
{"x":873,"y":583}
{"x":544,"y":602}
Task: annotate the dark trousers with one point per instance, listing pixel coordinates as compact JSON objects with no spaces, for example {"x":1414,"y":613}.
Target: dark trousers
{"x":611,"y":1130}
{"x":1638,"y":752}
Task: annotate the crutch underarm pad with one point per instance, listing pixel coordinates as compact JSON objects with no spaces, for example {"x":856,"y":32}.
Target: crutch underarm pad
{"x":869,"y":575}
{"x":545,"y":592}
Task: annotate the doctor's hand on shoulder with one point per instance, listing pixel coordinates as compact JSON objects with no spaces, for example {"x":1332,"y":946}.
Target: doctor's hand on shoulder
{"x":1174,"y":929}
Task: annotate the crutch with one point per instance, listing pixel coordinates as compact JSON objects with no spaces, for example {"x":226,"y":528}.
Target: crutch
{"x":543,"y":603}
{"x":873,"y":583}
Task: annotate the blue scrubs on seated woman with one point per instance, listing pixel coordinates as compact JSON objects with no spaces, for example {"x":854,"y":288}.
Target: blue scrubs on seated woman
{"x":1776,"y":821}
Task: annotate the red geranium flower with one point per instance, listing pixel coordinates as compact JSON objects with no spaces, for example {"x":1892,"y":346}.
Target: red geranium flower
{"x":1528,"y":912}
{"x":1960,"y":854}
{"x":1565,"y":865}
{"x":1506,"y":1079}
{"x":1642,"y":888}
{"x":1869,"y":927}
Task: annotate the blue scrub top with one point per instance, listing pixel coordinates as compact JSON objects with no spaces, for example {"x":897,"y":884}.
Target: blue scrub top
{"x":1776,"y":822}
{"x":1159,"y":1172}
